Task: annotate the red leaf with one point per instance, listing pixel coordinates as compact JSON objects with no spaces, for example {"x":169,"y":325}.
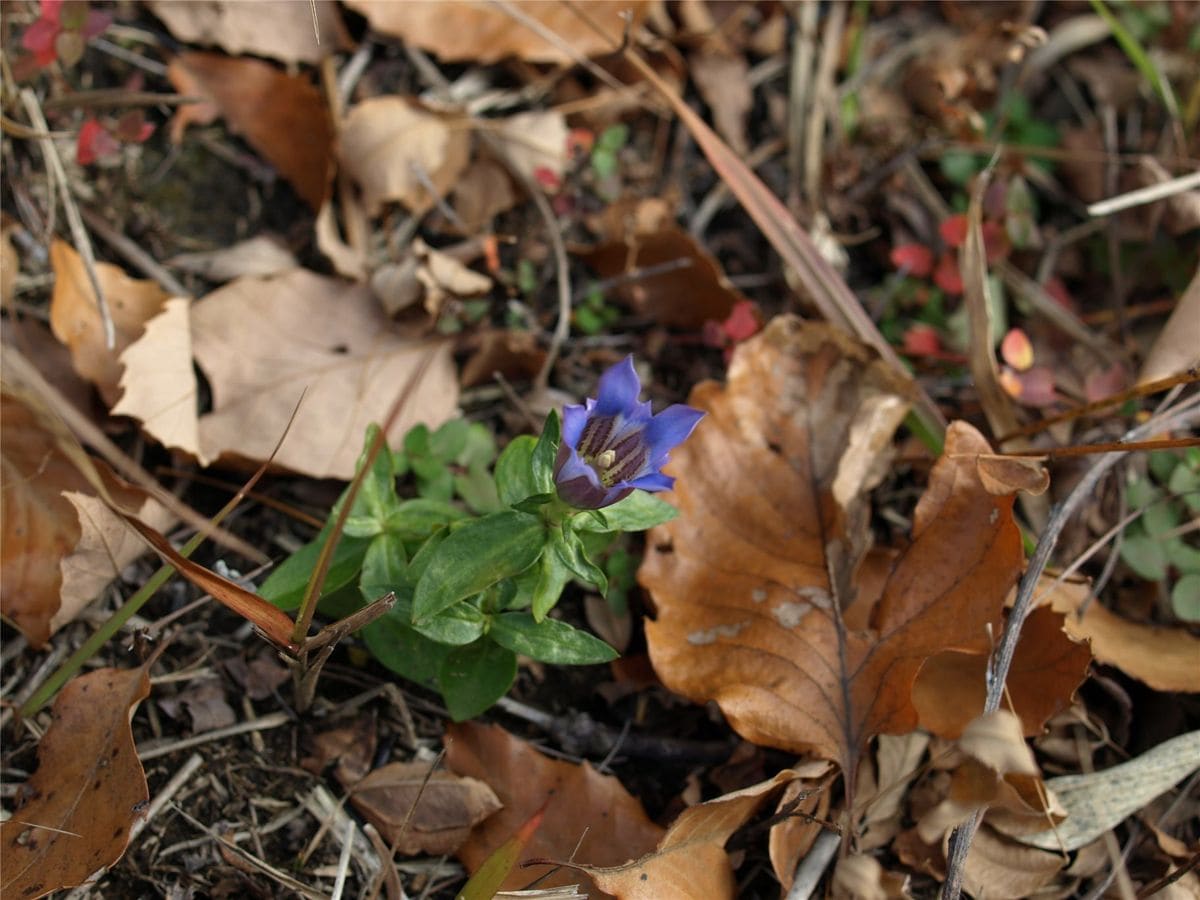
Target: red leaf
{"x":915,"y":259}
{"x":39,"y":39}
{"x":547,"y":178}
{"x":995,"y":241}
{"x":954,"y":229}
{"x":922,"y":340}
{"x":743,"y":321}
{"x":1017,"y":349}
{"x":947,"y":276}
{"x":94,"y":143}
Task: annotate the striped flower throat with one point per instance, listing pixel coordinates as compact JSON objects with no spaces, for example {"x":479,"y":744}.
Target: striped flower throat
{"x":615,"y":453}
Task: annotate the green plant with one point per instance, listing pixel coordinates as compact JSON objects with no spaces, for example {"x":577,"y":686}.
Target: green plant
{"x":594,"y":315}
{"x":1155,"y":546}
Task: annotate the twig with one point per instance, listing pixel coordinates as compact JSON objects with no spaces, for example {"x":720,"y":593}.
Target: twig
{"x":1148,"y":194}
{"x":812,"y":868}
{"x":339,"y":884}
{"x":264,"y":723}
{"x":1186,"y":415}
{"x":82,"y":243}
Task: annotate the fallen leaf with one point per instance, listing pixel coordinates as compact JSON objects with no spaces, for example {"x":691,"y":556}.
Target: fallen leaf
{"x":485,"y":883}
{"x":1046,"y":670}
{"x":87,"y":792}
{"x":998,"y":868}
{"x":805,"y":803}
{"x":581,"y":800}
{"x":483,"y":33}
{"x":535,"y":144}
{"x":883,"y":784}
{"x":257,"y":257}
{"x":690,"y":860}
{"x":1163,"y":658}
{"x":1002,"y":474}
{"x":672,"y":278}
{"x":772,"y":493}
{"x":483,"y":192}
{"x":159,"y":385}
{"x":279,"y":29}
{"x":861,"y":877}
{"x":395,"y":150}
{"x":721,"y":79}
{"x":10,"y":261}
{"x":204,"y":703}
{"x":514,"y":354}
{"x":281,"y":116}
{"x":444,"y":277}
{"x":76,"y":321}
{"x":260,"y":676}
{"x":265,"y":343}
{"x":1177,"y":347}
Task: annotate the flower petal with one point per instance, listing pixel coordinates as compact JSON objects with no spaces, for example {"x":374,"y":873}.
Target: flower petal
{"x":653,"y":481}
{"x":619,"y":389}
{"x":670,"y":428}
{"x":574,"y":417}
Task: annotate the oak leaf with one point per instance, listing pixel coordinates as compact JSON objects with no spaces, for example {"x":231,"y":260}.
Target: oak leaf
{"x":760,"y":604}
{"x":87,"y":792}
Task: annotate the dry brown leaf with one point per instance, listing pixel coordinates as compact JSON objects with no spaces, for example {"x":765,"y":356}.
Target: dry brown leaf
{"x":281,"y":116}
{"x":791,"y":839}
{"x":483,"y":192}
{"x":535,"y":144}
{"x":483,"y":32}
{"x":773,"y":503}
{"x":280,"y":29}
{"x":691,"y":860}
{"x":83,"y":801}
{"x":1005,"y":474}
{"x":1000,"y":869}
{"x":685,"y":287}
{"x":514,"y":354}
{"x":395,"y":150}
{"x":1177,"y":346}
{"x":204,"y":703}
{"x":258,"y":257}
{"x":263,"y":343}
{"x":76,"y":319}
{"x":721,"y":79}
{"x":105,"y":547}
{"x":1163,"y":658}
{"x":416,"y":815}
{"x":861,"y":877}
{"x":159,"y":384}
{"x":1046,"y":670}
{"x":580,"y":800}
{"x":883,"y":782}
{"x":10,"y":261}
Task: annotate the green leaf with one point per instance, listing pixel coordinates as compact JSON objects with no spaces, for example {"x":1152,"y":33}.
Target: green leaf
{"x":399,"y":647}
{"x":473,"y":677}
{"x":549,"y":640}
{"x":637,"y":512}
{"x":385,"y":568}
{"x":449,"y":440}
{"x":490,"y":876}
{"x":552,"y":577}
{"x":1185,"y":598}
{"x":514,"y":471}
{"x":1162,"y":464}
{"x":477,"y":489}
{"x":376,"y":496}
{"x":1182,"y":555}
{"x":544,"y":454}
{"x":419,"y":518}
{"x":1140,"y":492}
{"x":416,"y":442}
{"x":1186,"y":485}
{"x":286,"y":585}
{"x":460,"y":624}
{"x":480,"y":448}
{"x":1145,"y":555}
{"x":475,"y":556}
{"x":569,"y":549}
{"x":1161,"y":517}
{"x":342,"y":602}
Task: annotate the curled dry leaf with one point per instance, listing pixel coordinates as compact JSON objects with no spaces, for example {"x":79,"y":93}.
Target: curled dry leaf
{"x":998,"y":867}
{"x":87,"y":792}
{"x":483,"y":32}
{"x":535,"y":144}
{"x":421,"y":813}
{"x":279,"y":29}
{"x":755,"y":583}
{"x":281,"y":116}
{"x":720,"y":78}
{"x":397,"y":151}
{"x":76,"y":320}
{"x":581,"y":800}
{"x":159,"y":384}
{"x":259,"y":257}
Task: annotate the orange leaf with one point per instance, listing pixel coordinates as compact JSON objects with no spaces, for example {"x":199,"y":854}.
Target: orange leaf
{"x":88,"y":789}
{"x":580,"y":799}
{"x":755,"y":582}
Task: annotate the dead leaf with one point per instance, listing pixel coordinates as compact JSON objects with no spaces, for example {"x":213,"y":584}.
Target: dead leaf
{"x":1047,"y":669}
{"x":691,"y":860}
{"x":159,"y":385}
{"x":395,"y":150}
{"x":1006,"y":474}
{"x":83,"y":803}
{"x":257,"y":257}
{"x":281,"y":116}
{"x":1177,"y":347}
{"x":10,"y":261}
{"x":861,"y":877}
{"x":260,"y":676}
{"x":514,"y":354}
{"x":1163,"y":658}
{"x":806,"y":804}
{"x":76,"y":319}
{"x":535,"y":144}
{"x":483,"y":33}
{"x":682,"y":285}
{"x":263,"y":343}
{"x":205,"y":704}
{"x":416,"y":815}
{"x":883,"y":783}
{"x":721,"y":79}
{"x":1000,"y":869}
{"x":580,"y":800}
{"x":444,"y":277}
{"x":772,"y":493}
{"x":483,"y":192}
{"x":279,"y":29}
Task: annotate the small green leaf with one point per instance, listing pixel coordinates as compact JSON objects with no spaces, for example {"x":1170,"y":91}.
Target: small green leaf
{"x":1162,"y":464}
{"x":514,"y":471}
{"x":637,"y":512}
{"x":449,"y":440}
{"x":490,"y":876}
{"x":376,"y":494}
{"x":1145,"y":555}
{"x":480,"y":448}
{"x":475,"y":556}
{"x":419,"y":518}
{"x":396,"y":645}
{"x":570,"y":550}
{"x":460,"y":624}
{"x":1182,"y":555}
{"x":544,"y":454}
{"x":477,"y":489}
{"x":473,"y":677}
{"x":1185,"y":598}
{"x":385,"y":568}
{"x":1141,"y":492}
{"x":549,"y":640}
{"x":286,"y":585}
{"x":1185,"y":483}
{"x":1161,"y":517}
{"x":416,"y":442}
{"x":552,"y":577}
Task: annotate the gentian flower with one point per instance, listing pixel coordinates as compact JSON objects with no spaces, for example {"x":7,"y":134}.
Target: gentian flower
{"x":613,"y":444}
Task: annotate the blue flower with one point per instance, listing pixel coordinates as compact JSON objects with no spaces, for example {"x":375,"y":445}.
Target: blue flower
{"x":613,"y":443}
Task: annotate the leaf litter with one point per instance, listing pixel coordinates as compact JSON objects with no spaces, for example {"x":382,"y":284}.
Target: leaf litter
{"x":841,"y":629}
